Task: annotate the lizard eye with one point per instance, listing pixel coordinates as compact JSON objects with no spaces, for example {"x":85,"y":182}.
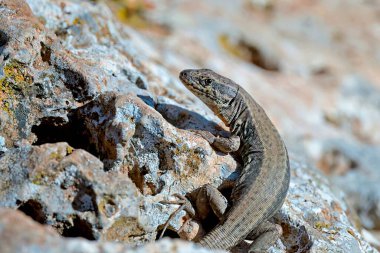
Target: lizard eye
{"x":208,"y":81}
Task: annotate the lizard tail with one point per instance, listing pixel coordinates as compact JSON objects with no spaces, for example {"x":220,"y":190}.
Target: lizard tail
{"x":220,"y":237}
{"x":244,"y":217}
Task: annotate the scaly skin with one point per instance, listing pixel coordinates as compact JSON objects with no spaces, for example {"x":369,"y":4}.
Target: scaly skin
{"x":264,"y":181}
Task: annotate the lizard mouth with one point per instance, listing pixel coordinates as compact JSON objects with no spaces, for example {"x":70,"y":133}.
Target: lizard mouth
{"x":188,"y":80}
{"x":185,"y":76}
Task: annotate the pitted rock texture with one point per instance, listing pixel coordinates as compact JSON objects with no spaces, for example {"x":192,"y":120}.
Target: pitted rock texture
{"x":30,"y":87}
{"x":69,"y":190}
{"x":95,"y":129}
{"x":130,"y":136}
{"x":353,"y":166}
{"x":44,"y":76}
{"x":14,"y":224}
{"x":66,"y":187}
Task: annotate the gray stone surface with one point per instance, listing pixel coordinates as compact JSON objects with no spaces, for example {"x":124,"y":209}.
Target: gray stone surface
{"x":19,"y":233}
{"x":69,"y":190}
{"x":354,"y":168}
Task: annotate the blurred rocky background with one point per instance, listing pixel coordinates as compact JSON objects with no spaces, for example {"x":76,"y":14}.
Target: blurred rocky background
{"x":94,"y":121}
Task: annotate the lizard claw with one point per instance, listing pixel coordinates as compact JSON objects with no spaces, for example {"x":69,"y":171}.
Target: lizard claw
{"x":209,"y":137}
{"x":223,"y":144}
{"x":184,"y":205}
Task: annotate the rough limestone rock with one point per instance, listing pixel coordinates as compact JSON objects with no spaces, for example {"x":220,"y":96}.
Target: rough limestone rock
{"x":19,"y":233}
{"x":353,"y":166}
{"x":95,"y":131}
{"x":69,"y":190}
{"x":316,"y":216}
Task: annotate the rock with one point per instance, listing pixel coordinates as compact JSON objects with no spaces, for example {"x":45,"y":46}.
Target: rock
{"x":132,"y":137}
{"x":363,"y":123}
{"x":320,"y":217}
{"x":69,"y":190}
{"x":2,"y":145}
{"x":42,"y":79}
{"x":351,"y":166}
{"x":19,"y":233}
{"x":30,"y":88}
{"x":73,"y":192}
{"x":262,"y":3}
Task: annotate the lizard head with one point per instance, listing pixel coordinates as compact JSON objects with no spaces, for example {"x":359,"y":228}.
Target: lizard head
{"x":214,"y":90}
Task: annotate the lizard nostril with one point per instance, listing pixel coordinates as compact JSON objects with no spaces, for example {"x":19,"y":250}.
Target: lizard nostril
{"x":184,"y":75}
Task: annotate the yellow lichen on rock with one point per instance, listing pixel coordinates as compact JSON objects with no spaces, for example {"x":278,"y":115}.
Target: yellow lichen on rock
{"x":124,"y":229}
{"x":132,"y":12}
{"x":16,"y":72}
{"x":15,"y":80}
{"x":5,"y":94}
{"x":69,"y":150}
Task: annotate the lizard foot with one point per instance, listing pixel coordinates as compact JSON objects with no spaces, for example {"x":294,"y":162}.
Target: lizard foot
{"x":184,"y":205}
{"x":209,"y":198}
{"x":264,"y":237}
{"x":223,"y":144}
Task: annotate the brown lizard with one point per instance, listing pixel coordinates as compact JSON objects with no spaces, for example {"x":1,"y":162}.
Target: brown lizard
{"x":264,"y":180}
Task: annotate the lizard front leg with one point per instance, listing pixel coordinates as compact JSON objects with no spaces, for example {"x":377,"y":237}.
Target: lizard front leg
{"x":208,"y":198}
{"x":184,"y":205}
{"x":223,"y":144}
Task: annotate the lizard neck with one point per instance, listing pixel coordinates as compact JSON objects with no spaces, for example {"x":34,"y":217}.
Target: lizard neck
{"x":240,"y":116}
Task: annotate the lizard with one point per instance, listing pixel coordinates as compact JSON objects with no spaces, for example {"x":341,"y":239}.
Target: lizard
{"x":261,"y":188}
